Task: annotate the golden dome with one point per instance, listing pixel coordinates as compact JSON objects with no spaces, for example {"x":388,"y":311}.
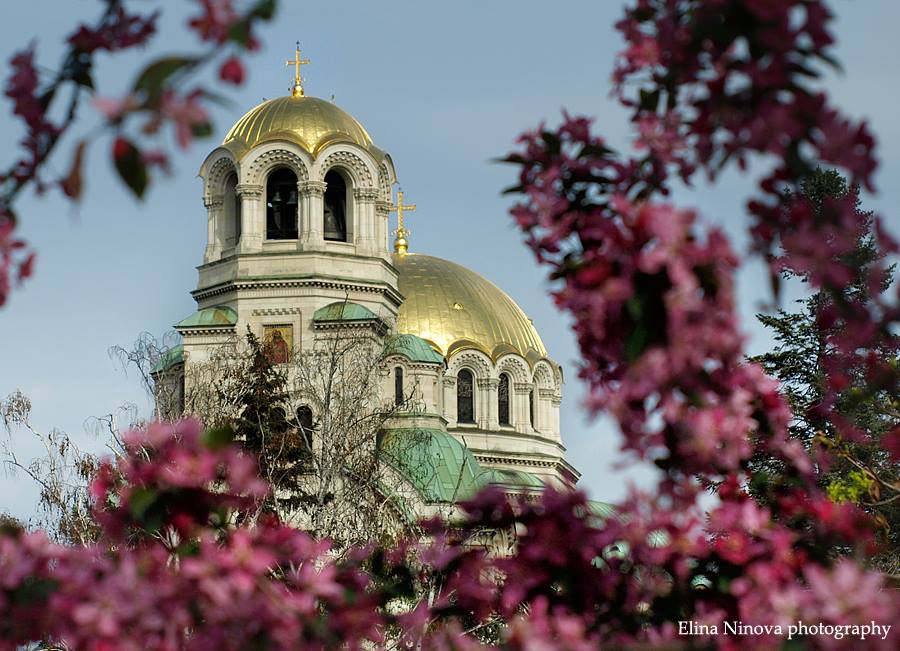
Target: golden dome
{"x":309,"y":122}
{"x":452,"y":308}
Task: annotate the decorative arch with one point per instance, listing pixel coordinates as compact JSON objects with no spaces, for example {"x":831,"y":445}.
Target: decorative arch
{"x":217,"y":173}
{"x":543,"y":375}
{"x":257,"y":167}
{"x":386,"y":178}
{"x":515,"y":366}
{"x":475,"y":360}
{"x":360,"y":173}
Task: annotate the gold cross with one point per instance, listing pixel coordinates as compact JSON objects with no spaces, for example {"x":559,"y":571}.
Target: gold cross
{"x":297,"y":91}
{"x":401,"y":244}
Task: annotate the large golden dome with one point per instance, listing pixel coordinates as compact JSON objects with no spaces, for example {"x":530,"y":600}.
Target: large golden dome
{"x":309,"y":122}
{"x":452,"y":308}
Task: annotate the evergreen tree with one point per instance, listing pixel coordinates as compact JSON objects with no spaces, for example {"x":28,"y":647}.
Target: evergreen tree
{"x":265,"y":429}
{"x":863,"y":472}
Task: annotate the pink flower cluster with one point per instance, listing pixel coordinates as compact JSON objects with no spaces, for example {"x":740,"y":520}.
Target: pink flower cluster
{"x":217,"y":587}
{"x":119,"y":30}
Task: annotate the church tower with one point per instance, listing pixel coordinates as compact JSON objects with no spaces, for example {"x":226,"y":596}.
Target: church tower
{"x":297,"y":200}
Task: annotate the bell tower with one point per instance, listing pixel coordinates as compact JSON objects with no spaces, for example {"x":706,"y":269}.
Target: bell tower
{"x":297,"y":198}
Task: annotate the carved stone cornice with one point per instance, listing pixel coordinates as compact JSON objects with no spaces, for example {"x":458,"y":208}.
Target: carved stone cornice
{"x":382,"y":207}
{"x":449,"y":381}
{"x":523,"y":387}
{"x":312,"y":188}
{"x":214,"y":201}
{"x":487,"y":383}
{"x":365,"y":194}
{"x":547,"y":393}
{"x":251,"y":190}
{"x":276,"y":311}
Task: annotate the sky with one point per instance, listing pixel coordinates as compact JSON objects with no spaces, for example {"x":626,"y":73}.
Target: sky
{"x":445,"y":88}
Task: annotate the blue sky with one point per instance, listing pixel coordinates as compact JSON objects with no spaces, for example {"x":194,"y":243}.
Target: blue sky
{"x":445,"y":88}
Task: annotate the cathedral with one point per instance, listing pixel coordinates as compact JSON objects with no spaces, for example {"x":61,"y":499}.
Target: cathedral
{"x":299,"y":201}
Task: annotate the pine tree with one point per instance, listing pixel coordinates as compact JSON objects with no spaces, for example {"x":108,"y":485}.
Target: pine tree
{"x":863,"y":472}
{"x":265,"y":429}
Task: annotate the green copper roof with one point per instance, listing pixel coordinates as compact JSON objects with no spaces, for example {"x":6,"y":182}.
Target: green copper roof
{"x":343,"y":311}
{"x":220,"y":315}
{"x":438,"y":465}
{"x":173,"y":356}
{"x":601,"y":510}
{"x":506,"y":477}
{"x":413,"y":348}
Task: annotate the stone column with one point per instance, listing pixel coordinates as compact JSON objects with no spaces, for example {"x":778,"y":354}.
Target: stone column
{"x":382,"y":243}
{"x":214,"y":241}
{"x":450,"y":400}
{"x":489,"y":417}
{"x":555,"y":402}
{"x":520,"y":411}
{"x":364,"y":226}
{"x":312,"y":214}
{"x":544,"y":399}
{"x":253,"y":217}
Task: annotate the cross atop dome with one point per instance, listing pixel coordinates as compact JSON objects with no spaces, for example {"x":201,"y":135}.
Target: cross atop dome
{"x":401,"y":244}
{"x":297,"y":90}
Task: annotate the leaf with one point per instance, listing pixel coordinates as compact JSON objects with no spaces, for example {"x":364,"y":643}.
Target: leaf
{"x":636,"y":343}
{"x":264,"y":9}
{"x":154,"y":76}
{"x":130,"y":166}
{"x":141,"y":500}
{"x":239,"y":32}
{"x":72,"y":184}
{"x":218,"y":437}
{"x":201,"y":129}
{"x":649,"y":100}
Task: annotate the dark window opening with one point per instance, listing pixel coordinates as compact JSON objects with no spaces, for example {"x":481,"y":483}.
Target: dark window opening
{"x":531,"y":407}
{"x":465,"y":397}
{"x":281,"y":205}
{"x":232,"y":204}
{"x":503,"y":399}
{"x":398,"y":386}
{"x":335,"y":207}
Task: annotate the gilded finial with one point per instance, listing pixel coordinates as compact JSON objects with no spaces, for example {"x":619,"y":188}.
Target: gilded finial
{"x":297,"y":90}
{"x":401,"y":244}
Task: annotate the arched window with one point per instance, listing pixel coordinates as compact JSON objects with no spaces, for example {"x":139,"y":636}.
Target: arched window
{"x":281,"y":205}
{"x":398,"y":385}
{"x":232,"y":206}
{"x":503,"y":399}
{"x":305,"y":420}
{"x":465,"y":397}
{"x":335,"y":207}
{"x":531,"y":407}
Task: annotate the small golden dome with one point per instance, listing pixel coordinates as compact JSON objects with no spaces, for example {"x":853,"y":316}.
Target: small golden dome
{"x":452,"y":308}
{"x":310,"y":122}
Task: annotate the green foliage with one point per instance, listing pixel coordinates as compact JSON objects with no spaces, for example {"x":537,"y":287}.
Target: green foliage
{"x":265,"y":429}
{"x":802,"y":345}
{"x":853,"y":487}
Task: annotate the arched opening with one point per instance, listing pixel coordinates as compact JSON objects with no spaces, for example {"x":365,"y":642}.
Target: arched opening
{"x":281,"y":205}
{"x":503,"y":399}
{"x":531,"y":408}
{"x":398,"y":386}
{"x":232,"y":207}
{"x":465,"y":397}
{"x":305,"y":421}
{"x":335,"y":225}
